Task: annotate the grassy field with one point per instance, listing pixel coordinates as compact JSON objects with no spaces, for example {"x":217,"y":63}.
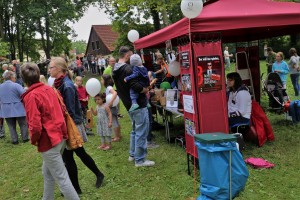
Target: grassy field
{"x":21,"y":176}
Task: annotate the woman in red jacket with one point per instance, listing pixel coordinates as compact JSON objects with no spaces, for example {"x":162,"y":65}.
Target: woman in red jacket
{"x":47,"y":131}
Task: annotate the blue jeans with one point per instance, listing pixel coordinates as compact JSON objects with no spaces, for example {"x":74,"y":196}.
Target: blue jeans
{"x":138,"y":135}
{"x":238,"y":120}
{"x":134,"y":96}
{"x":295,"y":82}
{"x":150,"y":135}
{"x":227,"y":63}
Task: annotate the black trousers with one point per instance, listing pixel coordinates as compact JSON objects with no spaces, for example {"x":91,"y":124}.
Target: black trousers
{"x":68,"y":157}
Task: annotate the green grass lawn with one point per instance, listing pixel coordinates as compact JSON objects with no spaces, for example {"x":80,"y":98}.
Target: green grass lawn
{"x":21,"y":174}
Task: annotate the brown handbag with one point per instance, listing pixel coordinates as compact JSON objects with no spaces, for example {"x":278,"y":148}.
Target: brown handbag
{"x":74,"y":138}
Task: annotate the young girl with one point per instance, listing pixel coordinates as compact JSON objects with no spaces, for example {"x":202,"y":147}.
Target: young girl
{"x":104,"y":121}
{"x":108,"y":83}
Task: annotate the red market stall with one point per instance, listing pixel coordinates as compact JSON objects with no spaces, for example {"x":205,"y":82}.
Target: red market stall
{"x":199,"y":43}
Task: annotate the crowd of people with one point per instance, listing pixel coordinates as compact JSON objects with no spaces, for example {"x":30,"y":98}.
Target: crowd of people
{"x":28,"y":98}
{"x":35,"y":105}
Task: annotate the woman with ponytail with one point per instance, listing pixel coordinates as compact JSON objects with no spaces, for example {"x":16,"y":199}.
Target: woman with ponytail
{"x":59,"y":70}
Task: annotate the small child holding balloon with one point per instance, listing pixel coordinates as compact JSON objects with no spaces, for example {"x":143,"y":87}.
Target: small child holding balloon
{"x":104,"y":121}
{"x":112,"y":103}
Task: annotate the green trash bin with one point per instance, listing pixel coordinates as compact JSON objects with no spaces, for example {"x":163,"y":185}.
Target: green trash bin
{"x":223,"y":171}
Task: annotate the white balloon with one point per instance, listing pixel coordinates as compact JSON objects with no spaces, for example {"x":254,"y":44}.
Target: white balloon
{"x":133,"y":36}
{"x":116,"y":101}
{"x":191,"y":8}
{"x":174,"y":68}
{"x":93,"y":87}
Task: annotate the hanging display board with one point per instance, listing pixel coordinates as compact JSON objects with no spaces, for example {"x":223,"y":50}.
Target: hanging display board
{"x":188,"y":94}
{"x":203,"y":90}
{"x":211,"y":92}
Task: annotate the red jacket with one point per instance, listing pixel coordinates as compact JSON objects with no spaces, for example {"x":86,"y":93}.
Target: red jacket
{"x":45,"y":117}
{"x":82,"y":94}
{"x":262,"y":124}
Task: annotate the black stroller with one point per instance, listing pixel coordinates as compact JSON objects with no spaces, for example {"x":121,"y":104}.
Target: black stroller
{"x":277,"y":94}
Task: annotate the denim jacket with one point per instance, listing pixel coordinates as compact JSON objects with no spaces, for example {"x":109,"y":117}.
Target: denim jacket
{"x":70,"y":97}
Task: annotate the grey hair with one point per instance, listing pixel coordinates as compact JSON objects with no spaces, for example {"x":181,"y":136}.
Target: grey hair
{"x":5,"y":65}
{"x":8,"y":75}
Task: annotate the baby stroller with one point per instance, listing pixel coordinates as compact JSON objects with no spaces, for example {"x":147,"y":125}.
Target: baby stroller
{"x":277,"y":94}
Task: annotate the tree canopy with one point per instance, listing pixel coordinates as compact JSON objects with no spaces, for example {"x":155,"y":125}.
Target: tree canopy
{"x":39,"y":24}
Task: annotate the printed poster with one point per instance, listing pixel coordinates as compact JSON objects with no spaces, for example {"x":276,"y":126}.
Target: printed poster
{"x":209,"y":75}
{"x":190,"y":127}
{"x":186,"y":82}
{"x":185,"y":59}
{"x":188,"y":104}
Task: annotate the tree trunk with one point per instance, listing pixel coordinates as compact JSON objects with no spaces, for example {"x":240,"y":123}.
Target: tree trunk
{"x":19,"y":41}
{"x":155,"y":16}
{"x":1,"y":24}
{"x":9,"y":36}
{"x":165,"y":18}
{"x":48,"y":43}
{"x":42,"y":36}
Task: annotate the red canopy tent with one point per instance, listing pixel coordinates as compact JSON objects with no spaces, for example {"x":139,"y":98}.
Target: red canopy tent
{"x":236,"y":21}
{"x":242,"y":20}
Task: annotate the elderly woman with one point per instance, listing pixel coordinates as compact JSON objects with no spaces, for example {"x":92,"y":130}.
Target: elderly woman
{"x":11,"y":107}
{"x":239,"y":100}
{"x":59,"y":70}
{"x":48,"y":131}
{"x":5,"y":69}
{"x":281,"y":68}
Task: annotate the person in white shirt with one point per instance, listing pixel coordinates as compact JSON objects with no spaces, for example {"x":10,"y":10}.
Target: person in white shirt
{"x":227,"y":58}
{"x":239,"y":100}
{"x":101,"y":64}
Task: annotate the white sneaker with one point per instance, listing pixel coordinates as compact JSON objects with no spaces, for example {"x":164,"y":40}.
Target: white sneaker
{"x":152,"y":145}
{"x":130,"y":159}
{"x":146,"y":163}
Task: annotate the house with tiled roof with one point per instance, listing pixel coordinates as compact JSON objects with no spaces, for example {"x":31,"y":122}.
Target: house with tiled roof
{"x":101,"y":40}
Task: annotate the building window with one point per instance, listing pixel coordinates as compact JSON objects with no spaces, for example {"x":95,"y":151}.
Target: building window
{"x":98,"y":44}
{"x":93,"y":45}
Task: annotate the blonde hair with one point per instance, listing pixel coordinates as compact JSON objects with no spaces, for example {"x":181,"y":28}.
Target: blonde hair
{"x":10,"y":67}
{"x":62,"y":64}
{"x":281,"y":55}
{"x":43,"y":79}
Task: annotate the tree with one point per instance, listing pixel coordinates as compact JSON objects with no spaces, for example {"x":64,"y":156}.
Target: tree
{"x":139,"y":15}
{"x":4,"y":48}
{"x":20,"y":20}
{"x":80,"y":46}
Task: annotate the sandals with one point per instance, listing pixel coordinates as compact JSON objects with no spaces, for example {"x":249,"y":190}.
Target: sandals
{"x":102,"y":147}
{"x":116,"y":139}
{"x":108,"y":147}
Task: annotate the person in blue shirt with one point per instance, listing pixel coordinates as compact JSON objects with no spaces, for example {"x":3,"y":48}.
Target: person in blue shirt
{"x":141,"y":74}
{"x":281,"y":67}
